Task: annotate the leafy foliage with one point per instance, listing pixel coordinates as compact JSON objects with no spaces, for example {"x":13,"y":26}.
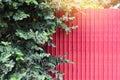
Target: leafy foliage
{"x":25,"y":26}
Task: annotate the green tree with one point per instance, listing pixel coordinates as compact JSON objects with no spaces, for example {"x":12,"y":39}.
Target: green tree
{"x":25,"y":26}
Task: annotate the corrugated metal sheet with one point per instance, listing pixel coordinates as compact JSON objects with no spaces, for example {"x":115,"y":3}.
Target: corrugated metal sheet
{"x":94,"y":46}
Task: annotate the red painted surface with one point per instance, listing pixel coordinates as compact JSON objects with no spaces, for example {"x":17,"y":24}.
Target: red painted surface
{"x":94,"y":46}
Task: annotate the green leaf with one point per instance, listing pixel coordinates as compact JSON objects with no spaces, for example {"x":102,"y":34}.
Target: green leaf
{"x":31,"y":2}
{"x":5,"y":43}
{"x":22,"y":34}
{"x":19,"y":53}
{"x":20,"y":58}
{"x":19,"y":15}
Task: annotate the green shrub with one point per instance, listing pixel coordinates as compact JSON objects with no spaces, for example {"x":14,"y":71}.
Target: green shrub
{"x":25,"y":26}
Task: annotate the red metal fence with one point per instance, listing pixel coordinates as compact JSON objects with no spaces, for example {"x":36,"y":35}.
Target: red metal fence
{"x":94,"y":46}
